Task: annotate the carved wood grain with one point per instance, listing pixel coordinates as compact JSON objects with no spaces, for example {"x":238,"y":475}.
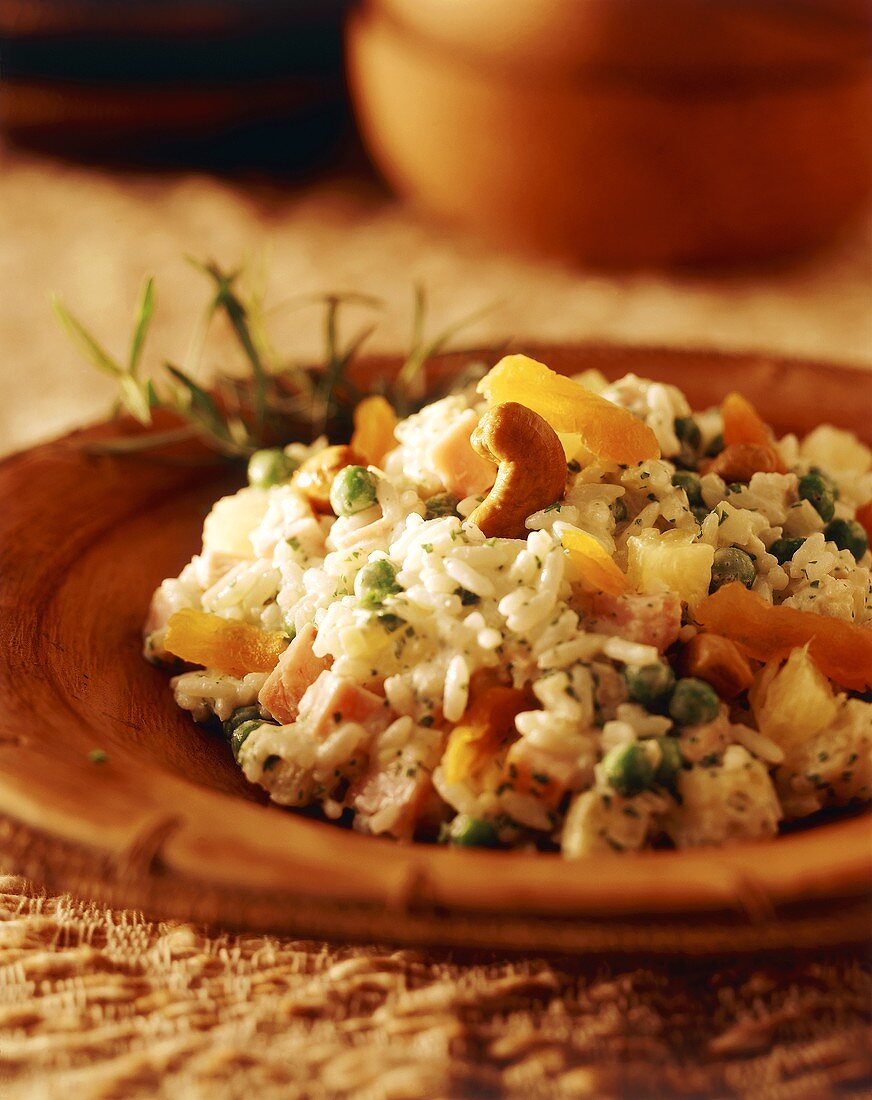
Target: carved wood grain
{"x":168,"y":824}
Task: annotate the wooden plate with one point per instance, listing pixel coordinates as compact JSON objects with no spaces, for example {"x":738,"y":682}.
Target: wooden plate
{"x":167,"y":823}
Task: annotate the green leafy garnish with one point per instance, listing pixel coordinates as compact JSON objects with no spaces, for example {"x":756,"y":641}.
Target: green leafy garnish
{"x":274,"y":402}
{"x":137,"y":397}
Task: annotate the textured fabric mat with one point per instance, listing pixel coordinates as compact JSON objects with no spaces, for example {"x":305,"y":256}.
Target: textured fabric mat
{"x":96,"y":1003}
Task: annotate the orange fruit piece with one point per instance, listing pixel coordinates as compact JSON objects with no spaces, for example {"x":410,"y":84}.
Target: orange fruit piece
{"x":841,"y":650}
{"x":864,"y":517}
{"x":224,"y":644}
{"x":608,"y":431}
{"x":719,"y":662}
{"x":740,"y":461}
{"x":595,"y":568}
{"x":488,"y":723}
{"x":374,"y":424}
{"x":742,"y":422}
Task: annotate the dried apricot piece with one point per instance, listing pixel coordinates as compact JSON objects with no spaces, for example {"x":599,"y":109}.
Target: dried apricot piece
{"x":864,"y":517}
{"x":374,"y":425}
{"x":488,"y":723}
{"x":592,"y":563}
{"x":741,"y":461}
{"x":224,"y":644}
{"x":719,"y":662}
{"x":841,"y":650}
{"x":742,"y":422}
{"x":608,"y":431}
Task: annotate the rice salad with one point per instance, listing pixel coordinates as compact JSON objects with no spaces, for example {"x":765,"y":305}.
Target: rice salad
{"x":542,"y":612}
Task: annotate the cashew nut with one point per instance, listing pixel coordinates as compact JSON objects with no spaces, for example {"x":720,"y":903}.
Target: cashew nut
{"x":314,"y":477}
{"x":532,"y":468}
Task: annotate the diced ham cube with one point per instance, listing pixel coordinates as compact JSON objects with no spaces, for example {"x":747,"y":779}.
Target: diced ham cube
{"x":297,"y":669}
{"x":333,"y":700}
{"x":398,"y":801}
{"x":653,"y":620}
{"x":463,"y":471}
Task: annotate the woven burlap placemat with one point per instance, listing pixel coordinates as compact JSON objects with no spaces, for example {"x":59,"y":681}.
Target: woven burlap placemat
{"x":103,"y":1003}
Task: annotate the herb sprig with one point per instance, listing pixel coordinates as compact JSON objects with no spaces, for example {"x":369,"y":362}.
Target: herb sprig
{"x":275,"y":401}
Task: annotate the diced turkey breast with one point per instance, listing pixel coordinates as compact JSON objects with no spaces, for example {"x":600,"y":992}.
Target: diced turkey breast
{"x":332,"y":700}
{"x":297,"y":669}
{"x":464,"y":472}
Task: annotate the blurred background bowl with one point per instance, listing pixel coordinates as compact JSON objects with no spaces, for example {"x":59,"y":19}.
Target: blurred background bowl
{"x":226,"y":83}
{"x":623,"y":131}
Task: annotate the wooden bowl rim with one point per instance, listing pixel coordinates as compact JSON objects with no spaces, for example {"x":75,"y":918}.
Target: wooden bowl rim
{"x":156,"y":840}
{"x":603,"y":41}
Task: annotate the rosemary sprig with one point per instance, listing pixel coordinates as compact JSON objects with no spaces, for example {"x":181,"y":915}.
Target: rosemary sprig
{"x":226,"y":300}
{"x":136,"y":396}
{"x":410,"y":383}
{"x":275,"y":401}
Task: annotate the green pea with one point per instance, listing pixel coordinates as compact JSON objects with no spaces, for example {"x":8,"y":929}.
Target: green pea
{"x":848,"y":535}
{"x":443,"y":504}
{"x":619,"y":510}
{"x":690,"y":483}
{"x":375,"y":582}
{"x":650,"y":685}
{"x":628,"y":769}
{"x":266,"y":468}
{"x":236,"y":719}
{"x":701,"y":514}
{"x":472,"y":832}
{"x":814,"y":489}
{"x":826,"y":479}
{"x":732,"y":564}
{"x":687,"y":430}
{"x":353,"y":490}
{"x":694,"y":702}
{"x":241,"y":734}
{"x":784,"y":549}
{"x":716,"y":445}
{"x":671,"y":761}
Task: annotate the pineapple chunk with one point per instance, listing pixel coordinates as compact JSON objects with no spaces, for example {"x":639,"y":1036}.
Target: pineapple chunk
{"x":363,"y":641}
{"x":231,"y":521}
{"x":725,"y":802}
{"x":831,"y":768}
{"x":590,"y":564}
{"x":672,"y":561}
{"x":795,"y":702}
{"x":602,"y":821}
{"x":572,"y":443}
